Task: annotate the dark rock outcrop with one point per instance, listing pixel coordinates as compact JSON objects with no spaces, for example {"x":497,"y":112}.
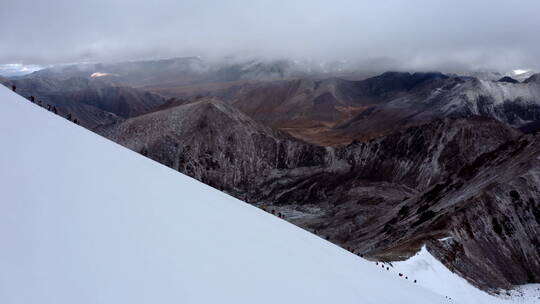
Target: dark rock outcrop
{"x":490,"y":212}
{"x":508,"y":79}
{"x":215,"y":143}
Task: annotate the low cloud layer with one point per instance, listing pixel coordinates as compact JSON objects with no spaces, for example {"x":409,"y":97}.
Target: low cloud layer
{"x":420,"y":34}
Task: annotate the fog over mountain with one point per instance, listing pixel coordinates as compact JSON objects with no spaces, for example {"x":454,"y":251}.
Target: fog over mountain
{"x":422,"y":35}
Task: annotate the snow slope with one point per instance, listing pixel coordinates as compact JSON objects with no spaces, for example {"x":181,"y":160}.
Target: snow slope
{"x":433,"y":275}
{"x":83,"y":220}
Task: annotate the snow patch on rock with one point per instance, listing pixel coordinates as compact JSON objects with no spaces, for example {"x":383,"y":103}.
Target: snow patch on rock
{"x":431,"y":274}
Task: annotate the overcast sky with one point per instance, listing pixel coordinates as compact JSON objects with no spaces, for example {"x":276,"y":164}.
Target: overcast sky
{"x":421,"y":34}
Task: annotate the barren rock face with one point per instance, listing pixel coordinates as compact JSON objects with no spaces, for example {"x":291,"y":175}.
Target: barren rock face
{"x":491,"y":212}
{"x":215,"y":143}
{"x":421,"y":156}
{"x":383,"y":198}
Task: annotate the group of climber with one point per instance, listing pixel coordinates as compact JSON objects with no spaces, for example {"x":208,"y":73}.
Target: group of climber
{"x":350,"y":249}
{"x":388,"y":269}
{"x":315,"y":231}
{"x":49,"y":107}
{"x":280,"y":215}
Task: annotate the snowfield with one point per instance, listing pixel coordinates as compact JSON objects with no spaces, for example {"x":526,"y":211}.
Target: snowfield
{"x":84,"y":220}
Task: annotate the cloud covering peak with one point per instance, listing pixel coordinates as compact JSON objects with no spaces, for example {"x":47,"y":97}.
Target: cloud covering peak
{"x":420,"y":34}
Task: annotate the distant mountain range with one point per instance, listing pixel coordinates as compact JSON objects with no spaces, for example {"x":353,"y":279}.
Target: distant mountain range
{"x":336,"y":111}
{"x":187,"y":71}
{"x":92,"y":102}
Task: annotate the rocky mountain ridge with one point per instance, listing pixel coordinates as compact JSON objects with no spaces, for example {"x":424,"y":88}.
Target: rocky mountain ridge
{"x":335,"y":112}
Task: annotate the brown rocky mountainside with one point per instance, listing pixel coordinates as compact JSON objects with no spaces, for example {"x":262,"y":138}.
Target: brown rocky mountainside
{"x":214,"y":143}
{"x":311,"y":109}
{"x":383,"y":198}
{"x":335,"y":112}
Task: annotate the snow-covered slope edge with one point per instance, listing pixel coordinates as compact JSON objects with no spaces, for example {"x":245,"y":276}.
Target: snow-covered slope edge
{"x":433,"y":275}
{"x":84,"y":220}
